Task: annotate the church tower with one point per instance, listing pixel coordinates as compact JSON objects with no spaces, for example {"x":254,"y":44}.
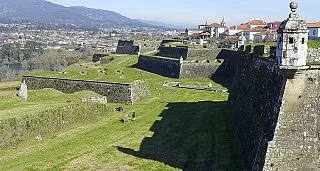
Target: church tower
{"x":292,"y":41}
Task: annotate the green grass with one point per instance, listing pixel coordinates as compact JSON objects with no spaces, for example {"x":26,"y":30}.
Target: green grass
{"x":314,"y":44}
{"x":175,"y":129}
{"x":121,"y":62}
{"x":12,"y":106}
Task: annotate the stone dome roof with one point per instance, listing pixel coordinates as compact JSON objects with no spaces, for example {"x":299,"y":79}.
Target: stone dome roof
{"x":293,"y":23}
{"x":294,"y":6}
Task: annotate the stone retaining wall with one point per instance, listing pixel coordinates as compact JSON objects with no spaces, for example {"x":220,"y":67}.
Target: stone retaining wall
{"x":115,"y":92}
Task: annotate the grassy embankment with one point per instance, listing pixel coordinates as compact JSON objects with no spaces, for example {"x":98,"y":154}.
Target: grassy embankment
{"x":175,"y":128}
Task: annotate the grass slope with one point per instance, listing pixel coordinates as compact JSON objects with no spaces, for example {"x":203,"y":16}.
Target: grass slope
{"x":175,"y":129}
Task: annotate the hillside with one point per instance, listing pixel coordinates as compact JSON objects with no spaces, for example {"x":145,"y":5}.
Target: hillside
{"x":50,"y":13}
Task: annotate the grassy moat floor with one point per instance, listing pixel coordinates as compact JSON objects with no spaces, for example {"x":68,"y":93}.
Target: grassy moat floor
{"x":175,"y":128}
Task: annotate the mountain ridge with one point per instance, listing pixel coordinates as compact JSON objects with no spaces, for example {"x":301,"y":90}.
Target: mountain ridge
{"x":51,"y":13}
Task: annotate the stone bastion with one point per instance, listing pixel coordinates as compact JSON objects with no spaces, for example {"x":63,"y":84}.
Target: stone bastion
{"x":115,"y":92}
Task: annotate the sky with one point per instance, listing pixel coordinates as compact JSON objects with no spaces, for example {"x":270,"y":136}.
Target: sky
{"x":195,"y":12}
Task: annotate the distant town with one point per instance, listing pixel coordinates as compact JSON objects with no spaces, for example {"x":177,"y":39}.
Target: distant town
{"x":105,"y":40}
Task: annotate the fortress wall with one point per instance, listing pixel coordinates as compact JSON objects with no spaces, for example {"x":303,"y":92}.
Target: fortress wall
{"x":173,"y":52}
{"x":255,"y":100}
{"x":314,"y":56}
{"x":296,"y":143}
{"x":115,"y":92}
{"x":126,"y":47}
{"x":189,"y":53}
{"x":198,"y":70}
{"x":139,"y":90}
{"x":202,"y":54}
{"x":162,"y":66}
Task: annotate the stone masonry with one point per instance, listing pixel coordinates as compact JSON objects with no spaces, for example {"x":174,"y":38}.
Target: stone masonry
{"x":115,"y":92}
{"x":296,"y":143}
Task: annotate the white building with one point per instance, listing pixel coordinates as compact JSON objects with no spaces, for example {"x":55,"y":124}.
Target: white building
{"x":232,"y":32}
{"x":292,"y":40}
{"x":215,"y":29}
{"x":249,"y":34}
{"x":314,"y":30}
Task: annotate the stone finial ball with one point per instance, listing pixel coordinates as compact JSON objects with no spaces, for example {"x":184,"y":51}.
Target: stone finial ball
{"x":294,"y":5}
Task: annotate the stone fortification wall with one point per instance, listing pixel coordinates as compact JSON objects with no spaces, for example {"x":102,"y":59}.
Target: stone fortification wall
{"x":314,"y":56}
{"x":198,"y":70}
{"x":188,"y":53}
{"x":126,"y":43}
{"x":170,"y":41}
{"x":148,"y":46}
{"x":115,"y":92}
{"x":260,"y":50}
{"x":202,"y":53}
{"x":97,"y":57}
{"x":126,"y":47}
{"x":162,"y":66}
{"x":139,"y":90}
{"x":296,"y":143}
{"x":170,"y":67}
{"x":255,"y":100}
{"x":173,"y":52}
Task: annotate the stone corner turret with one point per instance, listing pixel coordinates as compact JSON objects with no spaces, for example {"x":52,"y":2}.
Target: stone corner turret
{"x":292,"y":42}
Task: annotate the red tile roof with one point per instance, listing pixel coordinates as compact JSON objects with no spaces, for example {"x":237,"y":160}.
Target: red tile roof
{"x":314,"y":25}
{"x":205,"y":34}
{"x":256,"y":22}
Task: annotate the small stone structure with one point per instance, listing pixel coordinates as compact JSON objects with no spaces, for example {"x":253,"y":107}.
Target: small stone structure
{"x":292,"y":44}
{"x":97,"y":57}
{"x":127,"y":47}
{"x":23,"y":91}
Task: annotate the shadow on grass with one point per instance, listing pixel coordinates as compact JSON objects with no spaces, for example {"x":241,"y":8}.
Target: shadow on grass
{"x":192,"y":136}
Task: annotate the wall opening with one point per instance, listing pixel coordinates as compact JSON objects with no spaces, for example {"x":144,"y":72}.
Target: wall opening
{"x":291,"y":40}
{"x":303,"y":41}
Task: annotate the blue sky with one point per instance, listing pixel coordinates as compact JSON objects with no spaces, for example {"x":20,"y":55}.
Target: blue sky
{"x":194,"y":12}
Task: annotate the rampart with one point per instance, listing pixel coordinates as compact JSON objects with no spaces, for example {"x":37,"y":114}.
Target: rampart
{"x":255,"y":100}
{"x":223,"y":63}
{"x":158,"y":65}
{"x":189,"y":53}
{"x":126,"y":47}
{"x":198,"y":70}
{"x":173,"y":52}
{"x":115,"y":92}
{"x":276,"y":118}
{"x":314,"y":56}
{"x":296,"y":142}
